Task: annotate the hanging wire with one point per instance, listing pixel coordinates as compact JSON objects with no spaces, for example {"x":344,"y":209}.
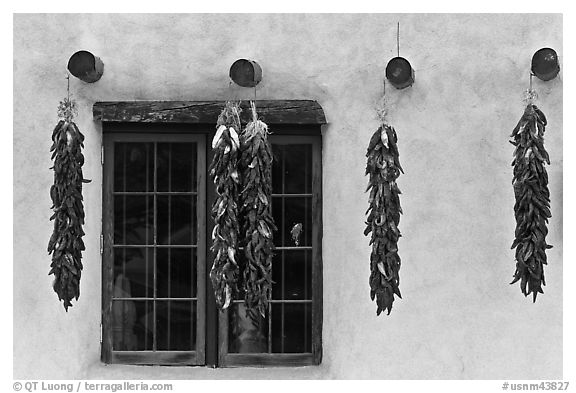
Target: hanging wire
{"x":381,"y":107}
{"x":67,"y":107}
{"x":68,"y":85}
{"x":530,"y":94}
{"x":398,"y":38}
{"x":384,"y":86}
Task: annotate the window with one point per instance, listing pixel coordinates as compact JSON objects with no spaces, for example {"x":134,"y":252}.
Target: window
{"x":158,"y":304}
{"x":154,"y":249}
{"x":288,"y":334}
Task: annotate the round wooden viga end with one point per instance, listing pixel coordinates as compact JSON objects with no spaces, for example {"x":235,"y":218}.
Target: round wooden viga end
{"x":246,"y":73}
{"x":545,"y":64}
{"x":400,"y":73}
{"x":85,"y":66}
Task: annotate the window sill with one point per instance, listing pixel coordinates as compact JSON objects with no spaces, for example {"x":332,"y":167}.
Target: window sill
{"x":124,"y":371}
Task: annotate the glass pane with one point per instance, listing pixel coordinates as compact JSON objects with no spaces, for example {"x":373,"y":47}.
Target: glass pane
{"x":176,"y":219}
{"x":176,"y":269}
{"x":277,"y":282}
{"x":297,"y":210}
{"x":292,"y":277}
{"x":277,"y":215}
{"x":277,"y":333}
{"x":244,"y":334}
{"x":277,"y":154}
{"x":176,"y":325}
{"x":133,"y":219}
{"x":132,"y":327}
{"x":298,"y":275}
{"x":133,"y":272}
{"x":297,"y":169}
{"x":291,"y":334}
{"x":133,"y":166}
{"x":176,"y":167}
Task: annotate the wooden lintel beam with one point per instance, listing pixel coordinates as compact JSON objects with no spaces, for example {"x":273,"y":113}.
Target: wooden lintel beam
{"x":206,"y":112}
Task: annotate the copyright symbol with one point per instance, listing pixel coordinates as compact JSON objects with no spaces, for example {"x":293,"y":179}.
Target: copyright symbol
{"x":17,"y":386}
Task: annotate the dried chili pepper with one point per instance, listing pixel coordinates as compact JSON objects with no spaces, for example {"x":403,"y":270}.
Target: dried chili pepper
{"x":224,"y":173}
{"x":383,"y":167}
{"x":532,"y":207}
{"x":258,"y":223}
{"x":66,"y":244}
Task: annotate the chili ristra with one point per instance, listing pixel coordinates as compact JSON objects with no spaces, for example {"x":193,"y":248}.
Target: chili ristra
{"x":532,"y":207}
{"x":224,"y":173}
{"x":257,"y":221}
{"x":66,"y":244}
{"x":383,"y":167}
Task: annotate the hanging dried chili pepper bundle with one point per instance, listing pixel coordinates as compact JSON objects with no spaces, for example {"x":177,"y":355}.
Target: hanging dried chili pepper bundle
{"x":66,"y":243}
{"x":383,"y":167}
{"x":532,"y":207}
{"x":258,"y":224}
{"x":224,"y":173}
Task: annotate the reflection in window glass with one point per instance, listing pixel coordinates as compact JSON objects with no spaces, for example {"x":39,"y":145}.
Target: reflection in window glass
{"x":176,"y":167}
{"x":176,"y":217}
{"x":175,"y":329}
{"x":133,"y":219}
{"x":246,"y":335}
{"x":133,"y":272}
{"x":132,"y":323}
{"x":176,"y":276}
{"x":133,"y":167}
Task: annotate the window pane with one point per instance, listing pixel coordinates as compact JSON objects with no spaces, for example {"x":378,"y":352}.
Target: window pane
{"x":176,"y":325}
{"x":292,"y":275}
{"x":133,"y":272}
{"x":176,"y":167}
{"x":297,"y":210}
{"x":244,"y":334}
{"x":292,"y":169}
{"x":132,"y":327}
{"x":277,"y":269}
{"x":291,"y":327}
{"x":278,"y":220}
{"x":133,"y":166}
{"x":277,"y":155}
{"x":297,"y":169}
{"x":133,"y":219}
{"x":297,"y":275}
{"x":176,"y":219}
{"x":176,"y":272}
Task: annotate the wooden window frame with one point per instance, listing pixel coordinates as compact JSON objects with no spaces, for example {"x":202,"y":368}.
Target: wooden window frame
{"x":226,"y":359}
{"x":196,"y":357}
{"x":291,"y":121}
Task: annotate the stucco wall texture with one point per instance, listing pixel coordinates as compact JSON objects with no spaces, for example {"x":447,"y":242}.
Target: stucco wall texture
{"x":459,"y":318}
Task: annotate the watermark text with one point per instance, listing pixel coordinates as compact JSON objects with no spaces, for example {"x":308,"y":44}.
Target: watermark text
{"x":90,"y":386}
{"x":536,"y":386}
